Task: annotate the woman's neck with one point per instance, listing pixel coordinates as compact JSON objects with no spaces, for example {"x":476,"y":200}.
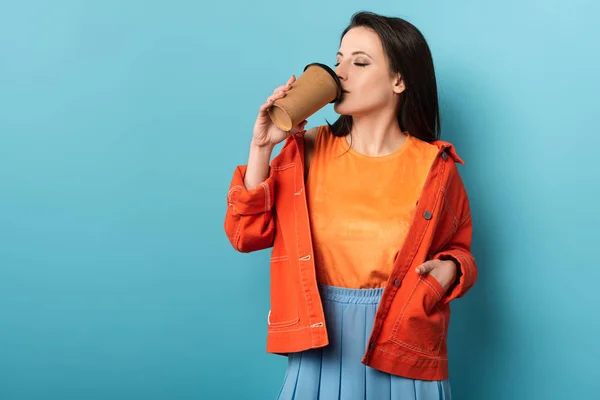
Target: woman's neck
{"x":376,"y":135}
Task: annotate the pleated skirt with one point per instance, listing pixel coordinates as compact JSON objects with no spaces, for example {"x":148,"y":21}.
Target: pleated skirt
{"x":335,"y":371}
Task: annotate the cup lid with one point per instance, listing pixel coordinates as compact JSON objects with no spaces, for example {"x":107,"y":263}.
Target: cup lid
{"x":333,"y":75}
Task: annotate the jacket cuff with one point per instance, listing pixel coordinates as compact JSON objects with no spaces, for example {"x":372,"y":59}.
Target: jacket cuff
{"x":249,"y":202}
{"x":466,"y":274}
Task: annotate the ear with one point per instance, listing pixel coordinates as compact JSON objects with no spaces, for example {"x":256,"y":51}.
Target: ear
{"x":399,"y":85}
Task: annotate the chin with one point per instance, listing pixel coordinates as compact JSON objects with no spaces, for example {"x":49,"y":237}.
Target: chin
{"x":342,"y":108}
{"x":358,"y":108}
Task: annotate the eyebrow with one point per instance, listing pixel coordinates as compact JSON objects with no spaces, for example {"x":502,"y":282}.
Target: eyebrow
{"x":354,"y":53}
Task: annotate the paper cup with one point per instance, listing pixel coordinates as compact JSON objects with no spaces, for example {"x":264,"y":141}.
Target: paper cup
{"x":316,"y":87}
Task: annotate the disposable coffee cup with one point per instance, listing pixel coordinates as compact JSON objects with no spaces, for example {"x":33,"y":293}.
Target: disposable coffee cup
{"x":315,"y":88}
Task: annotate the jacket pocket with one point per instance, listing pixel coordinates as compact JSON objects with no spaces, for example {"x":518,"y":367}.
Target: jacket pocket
{"x":284,"y":303}
{"x":421,"y":325}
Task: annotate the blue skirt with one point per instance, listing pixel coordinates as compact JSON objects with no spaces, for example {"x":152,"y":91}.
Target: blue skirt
{"x":335,"y":371}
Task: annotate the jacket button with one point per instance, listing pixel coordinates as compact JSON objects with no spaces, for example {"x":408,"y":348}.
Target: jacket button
{"x":427,"y":215}
{"x":397,"y":282}
{"x":444,"y":156}
{"x":371,"y":345}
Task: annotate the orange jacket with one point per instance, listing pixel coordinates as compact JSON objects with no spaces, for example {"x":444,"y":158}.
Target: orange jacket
{"x":409,"y":333}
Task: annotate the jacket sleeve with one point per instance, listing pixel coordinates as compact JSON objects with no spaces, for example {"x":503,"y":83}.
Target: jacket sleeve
{"x":458,"y":247}
{"x":249,"y":221}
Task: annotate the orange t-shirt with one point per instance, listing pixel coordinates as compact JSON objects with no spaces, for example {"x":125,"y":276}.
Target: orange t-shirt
{"x":361,"y":207}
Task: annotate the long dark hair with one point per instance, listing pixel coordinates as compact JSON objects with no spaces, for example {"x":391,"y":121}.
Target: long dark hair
{"x":409,"y":55}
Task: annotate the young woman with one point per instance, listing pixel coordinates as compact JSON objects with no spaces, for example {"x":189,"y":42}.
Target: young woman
{"x":369,"y":223}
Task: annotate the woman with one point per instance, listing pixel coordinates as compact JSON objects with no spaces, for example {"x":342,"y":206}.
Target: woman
{"x":369,"y":223}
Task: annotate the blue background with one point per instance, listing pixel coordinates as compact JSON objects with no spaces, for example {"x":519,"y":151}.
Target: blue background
{"x":121,"y":124}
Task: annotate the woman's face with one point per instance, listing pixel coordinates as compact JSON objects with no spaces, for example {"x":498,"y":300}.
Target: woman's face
{"x":364,"y":73}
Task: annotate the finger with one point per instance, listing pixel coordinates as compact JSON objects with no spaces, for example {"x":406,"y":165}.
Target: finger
{"x":299,"y":127}
{"x":287,"y":86}
{"x":425,"y":267}
{"x":268,"y":104}
{"x":263,"y":109}
{"x":277,"y":95}
{"x":302,"y":124}
{"x":278,"y":90}
{"x":289,"y":83}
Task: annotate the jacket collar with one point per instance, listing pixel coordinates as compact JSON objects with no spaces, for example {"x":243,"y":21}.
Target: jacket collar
{"x":448,"y":148}
{"x":442,"y":146}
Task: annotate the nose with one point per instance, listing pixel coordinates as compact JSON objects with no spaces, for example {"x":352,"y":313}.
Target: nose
{"x":341,"y":72}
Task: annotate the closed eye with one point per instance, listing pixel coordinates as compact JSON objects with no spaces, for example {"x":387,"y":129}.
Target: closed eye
{"x":357,"y":64}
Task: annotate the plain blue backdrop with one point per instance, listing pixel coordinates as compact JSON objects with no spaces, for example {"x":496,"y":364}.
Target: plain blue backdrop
{"x":121,"y":124}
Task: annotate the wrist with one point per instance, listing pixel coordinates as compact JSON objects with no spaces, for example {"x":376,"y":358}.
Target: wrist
{"x":262,"y":147}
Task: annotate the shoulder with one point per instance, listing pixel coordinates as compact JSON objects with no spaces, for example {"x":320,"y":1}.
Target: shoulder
{"x":311,"y":138}
{"x":311,"y":135}
{"x":437,"y":146}
{"x":449,"y":149}
{"x":308,"y":137}
{"x":447,"y":152}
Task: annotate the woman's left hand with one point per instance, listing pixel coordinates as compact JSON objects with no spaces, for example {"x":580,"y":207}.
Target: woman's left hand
{"x":444,"y":271}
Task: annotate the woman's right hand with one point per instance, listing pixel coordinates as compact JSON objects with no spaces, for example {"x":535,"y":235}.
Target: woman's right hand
{"x":266,"y":133}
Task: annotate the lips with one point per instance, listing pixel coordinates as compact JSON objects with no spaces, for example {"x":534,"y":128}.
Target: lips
{"x":343,"y":96}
